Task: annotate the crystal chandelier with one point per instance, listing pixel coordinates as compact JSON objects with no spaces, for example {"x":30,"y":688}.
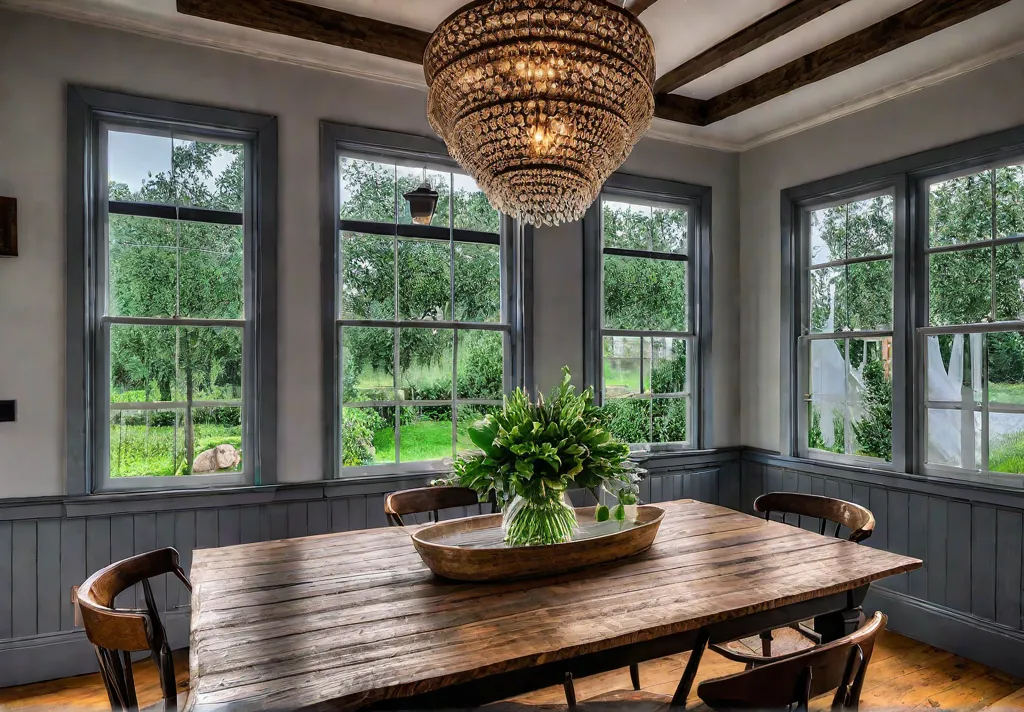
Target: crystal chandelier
{"x":540,"y":100}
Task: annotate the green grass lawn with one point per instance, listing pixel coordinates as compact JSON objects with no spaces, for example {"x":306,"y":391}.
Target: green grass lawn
{"x":422,"y":441}
{"x":137,"y":452}
{"x":1007,"y":454}
{"x":1006,"y":393}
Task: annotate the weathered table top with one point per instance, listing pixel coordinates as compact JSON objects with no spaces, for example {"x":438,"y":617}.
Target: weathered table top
{"x":356,"y":617}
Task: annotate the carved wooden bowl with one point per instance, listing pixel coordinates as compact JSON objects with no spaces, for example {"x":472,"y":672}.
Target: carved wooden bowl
{"x":471,"y":549}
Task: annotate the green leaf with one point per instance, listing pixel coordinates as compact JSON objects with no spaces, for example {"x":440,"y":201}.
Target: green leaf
{"x":601,"y":514}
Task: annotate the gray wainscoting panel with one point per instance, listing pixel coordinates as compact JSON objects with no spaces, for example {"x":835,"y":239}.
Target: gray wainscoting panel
{"x":970,"y":542}
{"x":6,"y":579}
{"x":43,"y":557}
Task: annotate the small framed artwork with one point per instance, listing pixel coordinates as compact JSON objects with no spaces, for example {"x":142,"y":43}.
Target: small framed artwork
{"x":8,"y":227}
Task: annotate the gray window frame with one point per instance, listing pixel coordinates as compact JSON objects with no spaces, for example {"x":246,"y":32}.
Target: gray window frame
{"x":908,"y":177}
{"x":89,"y":112}
{"x":516,"y":245}
{"x":697,"y":200}
{"x":801,"y":211}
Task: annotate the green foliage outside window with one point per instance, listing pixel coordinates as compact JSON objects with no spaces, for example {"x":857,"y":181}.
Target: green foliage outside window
{"x":646,"y":293}
{"x":961,"y":212}
{"x":166,"y":268}
{"x":368,"y":269}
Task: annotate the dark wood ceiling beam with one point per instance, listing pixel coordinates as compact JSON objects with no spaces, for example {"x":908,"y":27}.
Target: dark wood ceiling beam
{"x":638,"y":6}
{"x":915,"y":23}
{"x":318,"y":24}
{"x":768,"y":28}
{"x":681,"y":109}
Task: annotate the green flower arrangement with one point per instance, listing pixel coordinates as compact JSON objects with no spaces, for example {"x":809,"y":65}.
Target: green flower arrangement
{"x":531,"y":453}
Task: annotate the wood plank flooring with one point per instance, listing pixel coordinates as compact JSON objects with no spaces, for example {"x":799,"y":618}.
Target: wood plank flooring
{"x":904,"y":673}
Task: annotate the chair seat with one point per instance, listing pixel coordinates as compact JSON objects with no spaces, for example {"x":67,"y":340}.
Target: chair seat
{"x":748,"y":650}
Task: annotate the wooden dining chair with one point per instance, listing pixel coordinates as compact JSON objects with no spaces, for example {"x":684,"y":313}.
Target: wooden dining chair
{"x":789,"y":681}
{"x":117,"y":633}
{"x":428,"y":499}
{"x":796,"y":679}
{"x":832,"y":516}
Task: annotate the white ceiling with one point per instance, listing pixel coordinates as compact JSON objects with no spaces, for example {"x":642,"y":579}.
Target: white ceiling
{"x":681,"y":30}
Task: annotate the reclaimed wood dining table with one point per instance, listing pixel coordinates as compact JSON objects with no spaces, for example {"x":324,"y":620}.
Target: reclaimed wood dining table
{"x":355,"y":619}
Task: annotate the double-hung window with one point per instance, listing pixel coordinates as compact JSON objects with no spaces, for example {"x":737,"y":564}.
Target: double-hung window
{"x":421,"y":329}
{"x":846,"y":348}
{"x":644,"y":354}
{"x":170,"y":294}
{"x":972,"y":346}
{"x":904,"y":346}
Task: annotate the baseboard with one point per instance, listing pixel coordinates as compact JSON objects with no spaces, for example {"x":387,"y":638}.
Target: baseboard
{"x":38,"y":658}
{"x":971,"y":637}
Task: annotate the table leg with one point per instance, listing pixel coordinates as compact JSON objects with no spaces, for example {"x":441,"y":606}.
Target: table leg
{"x":833,"y":626}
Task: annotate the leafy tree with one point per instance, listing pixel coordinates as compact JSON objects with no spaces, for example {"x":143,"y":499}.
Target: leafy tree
{"x":372,"y":192}
{"x":642,"y":293}
{"x":863,"y":291}
{"x":166,"y":268}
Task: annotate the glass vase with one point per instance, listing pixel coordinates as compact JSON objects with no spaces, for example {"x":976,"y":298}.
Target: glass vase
{"x":527,"y":522}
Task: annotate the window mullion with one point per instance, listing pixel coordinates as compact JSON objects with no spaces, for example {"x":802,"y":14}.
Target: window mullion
{"x":451,"y":308}
{"x":993,"y":316}
{"x":985,"y":411}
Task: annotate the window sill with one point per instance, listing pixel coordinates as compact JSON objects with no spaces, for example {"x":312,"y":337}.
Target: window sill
{"x":939,"y":485}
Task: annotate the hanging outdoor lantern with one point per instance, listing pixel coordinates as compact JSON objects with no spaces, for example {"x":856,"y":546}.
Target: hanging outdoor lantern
{"x":422,"y":202}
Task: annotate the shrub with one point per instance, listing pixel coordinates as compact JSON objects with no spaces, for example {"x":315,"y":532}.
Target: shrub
{"x":359,"y":426}
{"x":874,"y":432}
{"x":439,"y":390}
{"x":629,"y":420}
{"x":816,"y":440}
{"x":481,"y":371}
{"x":670,"y":420}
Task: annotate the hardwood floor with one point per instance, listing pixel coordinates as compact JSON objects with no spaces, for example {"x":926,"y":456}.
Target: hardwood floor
{"x":904,"y":673}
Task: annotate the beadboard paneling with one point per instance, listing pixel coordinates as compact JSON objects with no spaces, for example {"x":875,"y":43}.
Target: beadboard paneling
{"x":971,"y":548}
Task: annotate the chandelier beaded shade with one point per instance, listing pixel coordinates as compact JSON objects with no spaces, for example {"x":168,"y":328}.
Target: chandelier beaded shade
{"x":540,"y":100}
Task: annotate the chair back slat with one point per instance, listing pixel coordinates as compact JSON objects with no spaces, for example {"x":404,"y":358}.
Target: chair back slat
{"x":117,"y":633}
{"x":427,"y":499}
{"x":796,"y":678}
{"x":854,"y":517}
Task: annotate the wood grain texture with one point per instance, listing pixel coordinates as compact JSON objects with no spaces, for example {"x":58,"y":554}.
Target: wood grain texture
{"x":768,"y":28}
{"x":318,"y":24}
{"x":916,"y":22}
{"x":348,"y":619}
{"x":681,"y":109}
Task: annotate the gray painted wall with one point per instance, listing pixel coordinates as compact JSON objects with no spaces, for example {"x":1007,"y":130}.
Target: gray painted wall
{"x":972,"y":104}
{"x":39,"y":56}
